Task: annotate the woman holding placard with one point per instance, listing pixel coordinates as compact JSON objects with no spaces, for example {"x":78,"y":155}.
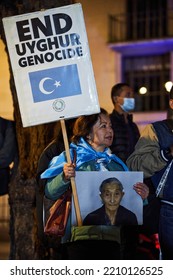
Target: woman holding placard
{"x":89,"y":150}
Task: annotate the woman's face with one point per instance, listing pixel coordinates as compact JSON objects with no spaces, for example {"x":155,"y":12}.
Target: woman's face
{"x":111,"y":196}
{"x":171,"y":103}
{"x":102,"y":134}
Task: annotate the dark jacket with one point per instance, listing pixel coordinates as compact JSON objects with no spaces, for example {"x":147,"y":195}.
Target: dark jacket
{"x":8,"y":152}
{"x":151,"y":155}
{"x":125,"y":135}
{"x":98,"y":217}
{"x":164,"y":131}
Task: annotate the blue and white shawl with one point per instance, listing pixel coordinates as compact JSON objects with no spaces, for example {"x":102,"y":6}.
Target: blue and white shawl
{"x":85,"y":153}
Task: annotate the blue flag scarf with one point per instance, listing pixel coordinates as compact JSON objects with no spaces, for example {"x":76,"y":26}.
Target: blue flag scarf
{"x":84,"y":154}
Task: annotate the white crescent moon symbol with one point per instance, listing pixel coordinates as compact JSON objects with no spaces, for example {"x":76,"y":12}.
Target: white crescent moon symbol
{"x":41,"y":86}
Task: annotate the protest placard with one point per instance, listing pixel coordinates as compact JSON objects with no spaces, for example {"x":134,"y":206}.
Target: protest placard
{"x":88,"y":189}
{"x":51,"y":63}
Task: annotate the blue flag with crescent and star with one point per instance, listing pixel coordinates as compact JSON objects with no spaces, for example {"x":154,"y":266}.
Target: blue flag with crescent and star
{"x":53,"y":83}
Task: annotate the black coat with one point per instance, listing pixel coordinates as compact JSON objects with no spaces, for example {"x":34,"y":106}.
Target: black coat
{"x":8,"y":152}
{"x":125,"y":135}
{"x":98,"y":217}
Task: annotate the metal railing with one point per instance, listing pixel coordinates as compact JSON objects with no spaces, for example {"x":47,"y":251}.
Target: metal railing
{"x":140,"y":26}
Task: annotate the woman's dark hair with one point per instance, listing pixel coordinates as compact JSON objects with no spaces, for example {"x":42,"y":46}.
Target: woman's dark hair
{"x":109,"y":181}
{"x":84,"y":124}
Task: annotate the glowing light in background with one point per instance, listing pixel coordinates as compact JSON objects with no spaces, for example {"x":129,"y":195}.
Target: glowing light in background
{"x":143,"y":90}
{"x":168,"y":85}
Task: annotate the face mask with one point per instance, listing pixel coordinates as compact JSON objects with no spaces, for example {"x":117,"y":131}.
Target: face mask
{"x":128,"y":105}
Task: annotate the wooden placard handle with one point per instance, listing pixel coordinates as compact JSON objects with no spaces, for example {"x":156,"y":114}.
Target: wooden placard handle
{"x":73,"y":183}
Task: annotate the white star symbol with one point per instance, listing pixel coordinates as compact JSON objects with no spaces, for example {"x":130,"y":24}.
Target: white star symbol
{"x":57,"y":83}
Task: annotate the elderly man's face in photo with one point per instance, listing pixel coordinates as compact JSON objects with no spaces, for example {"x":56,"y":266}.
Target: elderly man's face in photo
{"x":111,"y":196}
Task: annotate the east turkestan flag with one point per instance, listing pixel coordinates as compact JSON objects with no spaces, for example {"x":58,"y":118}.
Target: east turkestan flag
{"x":53,"y":83}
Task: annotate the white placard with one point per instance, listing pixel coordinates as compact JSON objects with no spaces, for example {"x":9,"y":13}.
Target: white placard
{"x":51,"y":63}
{"x":88,"y":183}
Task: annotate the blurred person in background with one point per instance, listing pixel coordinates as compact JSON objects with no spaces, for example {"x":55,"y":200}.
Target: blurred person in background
{"x":8,"y":153}
{"x":153,"y":155}
{"x":126,"y":132}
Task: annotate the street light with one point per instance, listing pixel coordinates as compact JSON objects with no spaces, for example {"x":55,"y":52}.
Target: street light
{"x":143,"y":90}
{"x":168,"y":86}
